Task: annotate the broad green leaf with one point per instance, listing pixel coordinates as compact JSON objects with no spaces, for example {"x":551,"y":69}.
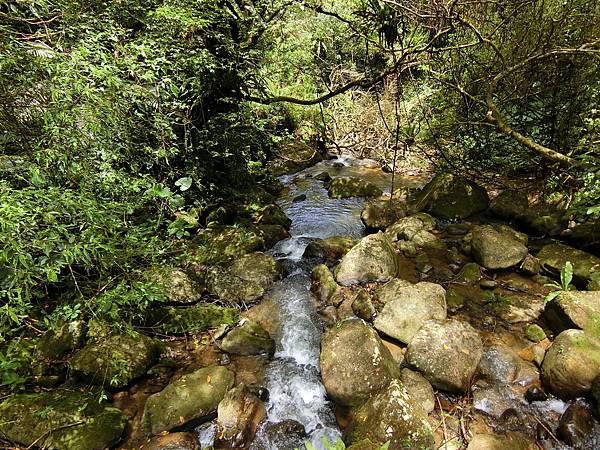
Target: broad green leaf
{"x":184,"y":183}
{"x":566,"y":275}
{"x":552,"y":295}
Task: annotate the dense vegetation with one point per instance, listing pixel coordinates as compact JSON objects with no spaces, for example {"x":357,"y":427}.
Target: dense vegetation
{"x":123,"y":124}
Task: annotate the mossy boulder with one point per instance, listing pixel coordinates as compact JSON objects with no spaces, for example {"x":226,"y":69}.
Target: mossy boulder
{"x":543,"y":219}
{"x":272,"y":215}
{"x":220,"y":244}
{"x":116,"y":360}
{"x":409,"y":308}
{"x":248,"y":338}
{"x":553,"y":258}
{"x":179,"y":287}
{"x":392,"y":416}
{"x":355,"y":364}
{"x":407,"y":227}
{"x":362,"y":306}
{"x":380,"y":214}
{"x":452,"y":197}
{"x":330,"y":249}
{"x":372,"y":259}
{"x":63,"y":420}
{"x":469,"y":273}
{"x":67,"y":337}
{"x":574,"y":309}
{"x":323,"y":284}
{"x":572,"y":364}
{"x":509,"y":204}
{"x":497,"y":248}
{"x":419,"y":389}
{"x":535,"y":333}
{"x":446,"y":353}
{"x":193,"y":396}
{"x":346,"y":187}
{"x":192,"y":319}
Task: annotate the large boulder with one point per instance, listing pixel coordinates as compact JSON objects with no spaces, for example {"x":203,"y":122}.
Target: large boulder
{"x":116,"y":360}
{"x":63,"y":420}
{"x":201,"y":317}
{"x":574,"y":309}
{"x":245,"y":280}
{"x":354,"y":363}
{"x":386,"y":293}
{"x":407,"y":227}
{"x":410,"y":307}
{"x":571,"y":364}
{"x":372,"y":259}
{"x":446,"y":353}
{"x":380,"y":214}
{"x":220,"y":244}
{"x":395,"y":417}
{"x":497,"y":248}
{"x":179,"y":286}
{"x":238,"y":416}
{"x":248,"y":338}
{"x":323,"y":284}
{"x":553,"y":258}
{"x":543,"y":219}
{"x":56,"y":343}
{"x":193,"y":396}
{"x":330,"y":249}
{"x":346,"y":187}
{"x":453,"y":197}
{"x":509,"y":204}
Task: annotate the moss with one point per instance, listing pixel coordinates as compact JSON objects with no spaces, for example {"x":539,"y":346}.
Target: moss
{"x":195,"y":319}
{"x":535,"y":333}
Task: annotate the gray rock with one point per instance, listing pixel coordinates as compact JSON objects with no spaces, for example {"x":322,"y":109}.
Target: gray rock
{"x":354,"y":363}
{"x":553,"y":258}
{"x":363,"y":307}
{"x":193,"y":396}
{"x":372,"y":259}
{"x":248,"y":338}
{"x":510,"y":441}
{"x":380,"y":214}
{"x":389,"y":290}
{"x":330,"y":249}
{"x":497,"y":248}
{"x":419,"y":389}
{"x":407,"y":227}
{"x":410,"y":308}
{"x":446,"y":353}
{"x":179,"y":286}
{"x":509,"y":204}
{"x":574,"y":309}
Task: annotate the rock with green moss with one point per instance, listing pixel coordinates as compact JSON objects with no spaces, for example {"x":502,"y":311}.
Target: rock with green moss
{"x":509,"y":204}
{"x":574,"y":309}
{"x":330,"y":249}
{"x":362,"y":306}
{"x":553,"y":258}
{"x":355,"y":364}
{"x":407,"y":227}
{"x":365,"y":444}
{"x":63,"y":420}
{"x":409,"y":308}
{"x":469,"y":273}
{"x":272,"y":215}
{"x":512,"y":441}
{"x":497,"y":248}
{"x":543,"y":219}
{"x":220,"y":244}
{"x":193,"y":396}
{"x":447,"y":353}
{"x":386,"y":293}
{"x":323,"y":284}
{"x":248,"y":338}
{"x":393,"y":416}
{"x":372,"y":259}
{"x":67,"y":337}
{"x":452,"y":197}
{"x":191,"y":319}
{"x":346,"y":187}
{"x":116,"y":360}
{"x":179,"y":287}
{"x":380,"y":214}
{"x":534,"y":332}
{"x":239,"y":416}
{"x":572,"y":364}
{"x":454,"y":299}
{"x":419,"y":389}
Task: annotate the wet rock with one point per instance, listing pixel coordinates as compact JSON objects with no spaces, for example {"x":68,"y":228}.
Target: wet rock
{"x":574,"y":309}
{"x":380,"y":214}
{"x":409,"y":308}
{"x":553,"y":258}
{"x":446,"y":353}
{"x":323,"y":176}
{"x":535,"y":333}
{"x":329,"y":315}
{"x":419,"y":389}
{"x":330,"y":249}
{"x":392,"y":416}
{"x":346,"y":187}
{"x":407,"y":227}
{"x":571,"y":364}
{"x":116,"y":360}
{"x":423,"y":263}
{"x":245,"y":280}
{"x":470,"y":273}
{"x":55,"y":344}
{"x":543,"y":219}
{"x":409,"y":248}
{"x":248,"y":338}
{"x":63,"y":420}
{"x":287,"y":434}
{"x":453,"y":197}
{"x":499,"y":364}
{"x":575,"y":425}
{"x":509,"y":204}
{"x":365,"y":444}
{"x":271,"y":234}
{"x":496,"y":248}
{"x":323,"y":284}
{"x":535,"y":394}
{"x":511,"y":441}
{"x":458,"y":229}
{"x":363,"y":307}
{"x":173,"y":441}
{"x":530,"y":265}
{"x":354,"y":363}
{"x":299,"y":198}
{"x":193,"y":396}
{"x":518,"y":307}
{"x":238,"y":417}
{"x":372,"y":259}
{"x":495,"y":400}
{"x":179,"y":286}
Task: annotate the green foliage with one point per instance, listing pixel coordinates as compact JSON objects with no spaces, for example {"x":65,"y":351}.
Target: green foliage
{"x":566,"y":276}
